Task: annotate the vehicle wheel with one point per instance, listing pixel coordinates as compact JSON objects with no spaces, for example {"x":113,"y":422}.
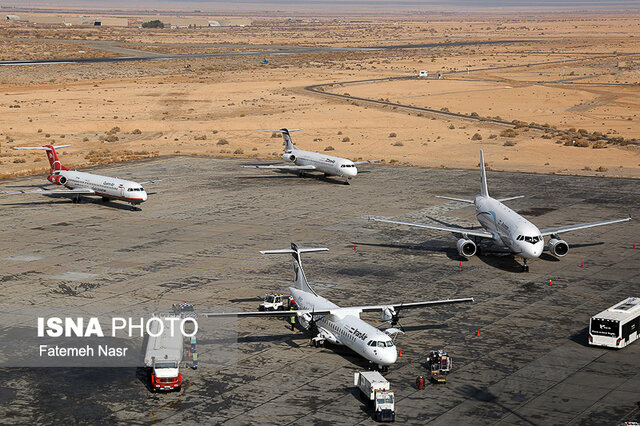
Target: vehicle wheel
{"x":178,"y":388}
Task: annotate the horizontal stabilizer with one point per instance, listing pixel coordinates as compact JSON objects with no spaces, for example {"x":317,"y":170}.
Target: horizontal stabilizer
{"x":300,"y":250}
{"x":280,"y":130}
{"x":462,"y":200}
{"x":510,"y":198}
{"x":44,"y":148}
{"x":392,"y":331}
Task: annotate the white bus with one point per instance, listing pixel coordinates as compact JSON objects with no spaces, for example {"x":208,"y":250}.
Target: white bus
{"x":617,"y":326}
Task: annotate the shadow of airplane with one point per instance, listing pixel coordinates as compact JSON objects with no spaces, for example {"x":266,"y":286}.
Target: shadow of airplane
{"x":451,"y":252}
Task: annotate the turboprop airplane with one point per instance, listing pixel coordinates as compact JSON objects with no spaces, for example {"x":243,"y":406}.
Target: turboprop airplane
{"x":505,"y":228}
{"x":81,"y":183}
{"x":304,"y":161}
{"x":340,"y":325}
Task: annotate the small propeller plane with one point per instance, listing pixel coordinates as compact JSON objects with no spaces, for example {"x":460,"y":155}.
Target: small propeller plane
{"x":341,"y":325}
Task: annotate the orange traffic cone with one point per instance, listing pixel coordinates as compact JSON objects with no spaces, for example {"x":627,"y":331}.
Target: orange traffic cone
{"x":399,"y":352}
{"x":581,"y":265}
{"x":478,"y":333}
{"x":549,"y":283}
{"x":354,"y":248}
{"x":460,"y":265}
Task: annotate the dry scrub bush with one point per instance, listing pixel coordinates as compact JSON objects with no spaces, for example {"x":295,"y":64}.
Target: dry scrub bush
{"x":200,"y":138}
{"x":397,"y":144}
{"x":509,"y":143}
{"x":508,"y":133}
{"x":346,"y":139}
{"x":476,"y":137}
{"x":392,"y":135}
{"x":222,"y":142}
{"x":329,"y":148}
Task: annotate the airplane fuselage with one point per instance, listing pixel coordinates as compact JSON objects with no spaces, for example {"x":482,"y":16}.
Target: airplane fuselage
{"x":510,"y":229}
{"x":347,"y":329}
{"x":327,"y":164}
{"x":105,"y":186}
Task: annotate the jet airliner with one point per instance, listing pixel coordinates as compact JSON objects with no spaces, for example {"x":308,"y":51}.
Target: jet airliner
{"x":341,"y":325}
{"x":505,"y":228}
{"x":304,"y":161}
{"x":81,"y":183}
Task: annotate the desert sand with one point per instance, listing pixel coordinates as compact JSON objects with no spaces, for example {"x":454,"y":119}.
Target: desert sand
{"x":575,"y":74}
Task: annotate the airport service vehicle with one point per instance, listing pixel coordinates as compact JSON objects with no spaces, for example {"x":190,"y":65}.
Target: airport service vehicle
{"x":505,"y":228}
{"x":377,"y":390}
{"x":163,"y":357}
{"x":616,"y":326}
{"x":275,"y":302}
{"x":81,"y":183}
{"x":306,"y":161}
{"x":439,"y":364}
{"x":340,"y":325}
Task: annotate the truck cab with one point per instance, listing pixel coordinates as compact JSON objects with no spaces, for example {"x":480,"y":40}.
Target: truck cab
{"x":275,"y":302}
{"x":385,"y":406}
{"x":165,"y":375}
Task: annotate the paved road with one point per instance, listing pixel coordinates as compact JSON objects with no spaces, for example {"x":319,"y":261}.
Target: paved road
{"x":262,"y":51}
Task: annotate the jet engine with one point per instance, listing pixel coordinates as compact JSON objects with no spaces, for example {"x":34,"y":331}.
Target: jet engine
{"x":388,"y":314}
{"x":57,"y":179}
{"x":466,"y":248}
{"x":558,"y":247}
{"x":289,"y":157}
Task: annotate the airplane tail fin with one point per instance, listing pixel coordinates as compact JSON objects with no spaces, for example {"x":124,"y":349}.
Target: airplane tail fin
{"x":52,"y":155}
{"x":484,"y":191}
{"x":300,"y":278}
{"x":286,"y":137}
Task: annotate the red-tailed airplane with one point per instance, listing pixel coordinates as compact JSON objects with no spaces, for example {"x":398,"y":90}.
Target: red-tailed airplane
{"x":81,"y":183}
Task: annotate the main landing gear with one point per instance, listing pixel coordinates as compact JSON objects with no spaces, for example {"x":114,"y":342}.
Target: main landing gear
{"x":76,"y":199}
{"x":135,"y":208}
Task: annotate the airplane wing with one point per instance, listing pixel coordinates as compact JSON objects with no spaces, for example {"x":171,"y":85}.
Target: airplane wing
{"x":283,"y":167}
{"x":472,"y":232}
{"x":367,"y":308}
{"x":365,"y":161}
{"x":52,"y":191}
{"x":411,"y":305}
{"x":267,"y":313}
{"x":569,"y":228}
{"x":149,"y":182}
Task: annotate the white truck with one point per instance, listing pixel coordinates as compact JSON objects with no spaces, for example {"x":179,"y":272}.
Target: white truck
{"x":376,"y":389}
{"x":275,"y":302}
{"x":163,"y":356}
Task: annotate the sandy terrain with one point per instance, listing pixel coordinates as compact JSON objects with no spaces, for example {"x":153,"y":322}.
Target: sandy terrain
{"x":570,"y":73}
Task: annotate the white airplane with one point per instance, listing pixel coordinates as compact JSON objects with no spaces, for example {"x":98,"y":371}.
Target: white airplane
{"x":81,"y":183}
{"x":505,"y":228}
{"x":304,"y":161}
{"x":340,"y":326}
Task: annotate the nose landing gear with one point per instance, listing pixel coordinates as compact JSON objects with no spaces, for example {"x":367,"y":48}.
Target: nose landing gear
{"x":525,"y":267}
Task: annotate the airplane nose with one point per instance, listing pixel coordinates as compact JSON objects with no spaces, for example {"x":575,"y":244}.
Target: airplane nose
{"x":388,"y":356}
{"x":144,"y":196}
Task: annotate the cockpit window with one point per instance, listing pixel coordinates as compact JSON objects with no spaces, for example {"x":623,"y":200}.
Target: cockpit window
{"x":390,"y":343}
{"x":532,"y":240}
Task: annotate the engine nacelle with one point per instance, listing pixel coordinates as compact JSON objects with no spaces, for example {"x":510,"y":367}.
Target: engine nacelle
{"x":387,"y":314}
{"x":289,"y":157}
{"x":466,"y":248}
{"x":57,"y":179}
{"x":558,"y":248}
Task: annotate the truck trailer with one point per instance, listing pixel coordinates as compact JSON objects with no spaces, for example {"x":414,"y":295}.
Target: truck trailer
{"x":376,"y":389}
{"x":163,"y":356}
